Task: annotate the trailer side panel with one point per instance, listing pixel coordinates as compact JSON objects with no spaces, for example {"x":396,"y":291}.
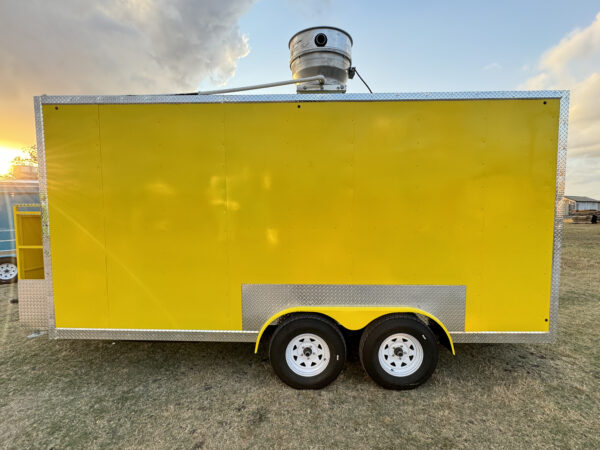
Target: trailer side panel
{"x":174,"y":207}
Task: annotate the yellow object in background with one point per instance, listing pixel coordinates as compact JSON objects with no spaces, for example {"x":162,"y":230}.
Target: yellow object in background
{"x":28,"y":239}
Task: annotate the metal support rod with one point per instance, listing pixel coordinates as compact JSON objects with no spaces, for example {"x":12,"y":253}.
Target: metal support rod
{"x":319,"y":78}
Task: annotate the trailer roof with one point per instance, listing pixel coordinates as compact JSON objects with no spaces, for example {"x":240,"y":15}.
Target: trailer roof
{"x":281,"y":98}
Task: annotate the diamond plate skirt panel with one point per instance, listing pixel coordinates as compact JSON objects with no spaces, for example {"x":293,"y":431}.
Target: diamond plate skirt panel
{"x":155,"y":335}
{"x":503,"y":337}
{"x":262,"y":301}
{"x":33,"y":304}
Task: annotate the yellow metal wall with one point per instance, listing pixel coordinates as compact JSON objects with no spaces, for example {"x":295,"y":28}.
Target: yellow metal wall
{"x":168,"y":209}
{"x":75,"y":208}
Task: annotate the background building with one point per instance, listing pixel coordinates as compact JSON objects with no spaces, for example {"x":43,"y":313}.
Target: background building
{"x":577,"y":203}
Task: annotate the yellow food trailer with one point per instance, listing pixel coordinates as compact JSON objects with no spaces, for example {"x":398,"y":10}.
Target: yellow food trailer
{"x":415,"y":218}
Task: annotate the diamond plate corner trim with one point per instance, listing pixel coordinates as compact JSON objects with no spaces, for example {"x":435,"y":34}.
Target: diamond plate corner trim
{"x":33,"y":304}
{"x":43,"y":187}
{"x":261,"y":301}
{"x":561,"y":168}
{"x":124,"y":334}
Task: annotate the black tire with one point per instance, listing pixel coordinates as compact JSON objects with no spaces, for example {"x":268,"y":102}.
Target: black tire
{"x":288,"y":333}
{"x":384,"y":329}
{"x":12,"y":261}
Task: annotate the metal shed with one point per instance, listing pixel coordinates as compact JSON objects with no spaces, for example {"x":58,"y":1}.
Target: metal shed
{"x":578,"y":203}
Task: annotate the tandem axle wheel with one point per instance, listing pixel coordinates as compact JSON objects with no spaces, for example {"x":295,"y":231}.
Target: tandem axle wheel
{"x":308,"y":351}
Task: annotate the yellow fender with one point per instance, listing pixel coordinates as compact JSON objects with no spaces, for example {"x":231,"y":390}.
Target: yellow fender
{"x":352,"y":317}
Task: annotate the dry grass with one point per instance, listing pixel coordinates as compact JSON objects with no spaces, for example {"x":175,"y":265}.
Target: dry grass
{"x":192,"y":395}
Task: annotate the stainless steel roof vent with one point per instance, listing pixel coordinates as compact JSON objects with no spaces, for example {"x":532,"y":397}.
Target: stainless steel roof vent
{"x":323,"y":51}
{"x":320,"y":60}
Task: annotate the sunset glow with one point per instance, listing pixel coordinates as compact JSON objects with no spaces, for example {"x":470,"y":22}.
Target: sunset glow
{"x":7,"y":154}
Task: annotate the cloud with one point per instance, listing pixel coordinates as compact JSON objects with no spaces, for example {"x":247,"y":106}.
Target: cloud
{"x":311,"y":9}
{"x":492,"y":66}
{"x":582,"y":176}
{"x":574,"y":63}
{"x":112,"y":47}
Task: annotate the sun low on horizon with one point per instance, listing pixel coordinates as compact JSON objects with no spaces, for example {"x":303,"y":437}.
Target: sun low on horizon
{"x":7,"y":154}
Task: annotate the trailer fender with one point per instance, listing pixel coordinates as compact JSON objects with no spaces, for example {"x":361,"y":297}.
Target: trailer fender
{"x":356,"y":317}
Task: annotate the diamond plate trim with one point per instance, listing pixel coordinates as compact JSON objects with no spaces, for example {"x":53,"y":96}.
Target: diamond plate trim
{"x":282,"y":98}
{"x":262,"y":301}
{"x":33,"y":304}
{"x":501,"y":337}
{"x":155,"y":335}
{"x":43,"y":187}
{"x":561,"y":168}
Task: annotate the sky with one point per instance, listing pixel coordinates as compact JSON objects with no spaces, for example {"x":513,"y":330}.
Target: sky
{"x":165,"y":46}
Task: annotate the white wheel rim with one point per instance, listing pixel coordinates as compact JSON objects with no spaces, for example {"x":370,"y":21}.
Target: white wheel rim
{"x":8,"y":271}
{"x":400,"y":355}
{"x":307,"y":355}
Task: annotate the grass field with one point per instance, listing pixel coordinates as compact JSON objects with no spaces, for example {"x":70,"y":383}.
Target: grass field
{"x":77,"y":394}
